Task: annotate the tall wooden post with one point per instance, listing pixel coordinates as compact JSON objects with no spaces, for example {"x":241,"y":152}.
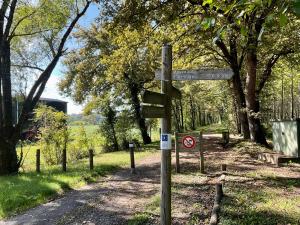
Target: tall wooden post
{"x":177,"y":165}
{"x":64,"y":160}
{"x":91,"y":157}
{"x":38,"y":160}
{"x":166,"y":88}
{"x":201,"y":152}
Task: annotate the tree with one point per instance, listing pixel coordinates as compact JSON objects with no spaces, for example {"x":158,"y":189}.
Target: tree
{"x":114,"y":60}
{"x":249,"y":37}
{"x":47,"y":22}
{"x":107,"y":127}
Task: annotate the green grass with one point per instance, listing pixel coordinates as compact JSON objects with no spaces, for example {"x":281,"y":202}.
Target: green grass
{"x":140,"y":219}
{"x":266,"y":205}
{"x":153,"y":205}
{"x":29,"y":189}
{"x":89,"y":129}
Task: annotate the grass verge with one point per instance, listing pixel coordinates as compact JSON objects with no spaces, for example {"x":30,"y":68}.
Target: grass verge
{"x":30,"y":189}
{"x":273,"y":202}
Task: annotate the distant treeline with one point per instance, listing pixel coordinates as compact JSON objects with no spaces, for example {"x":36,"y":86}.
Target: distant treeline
{"x":92,"y":119}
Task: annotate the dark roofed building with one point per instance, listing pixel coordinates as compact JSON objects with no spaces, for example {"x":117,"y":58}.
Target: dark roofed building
{"x":59,"y":105}
{"x":30,"y":130}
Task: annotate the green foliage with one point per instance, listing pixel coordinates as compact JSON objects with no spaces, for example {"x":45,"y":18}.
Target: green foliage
{"x":107,"y":127}
{"x":124,"y":128}
{"x":54,"y":133}
{"x":79,"y":147}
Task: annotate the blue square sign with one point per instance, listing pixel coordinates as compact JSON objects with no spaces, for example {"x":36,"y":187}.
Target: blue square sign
{"x":166,"y":142}
{"x":164,"y":137}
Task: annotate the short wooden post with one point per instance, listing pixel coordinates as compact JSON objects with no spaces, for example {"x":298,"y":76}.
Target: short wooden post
{"x":219,"y":191}
{"x":132,"y":163}
{"x":223,"y":167}
{"x":177,"y":165}
{"x":201,"y":152}
{"x":91,"y":156}
{"x":38,"y":160}
{"x":64,"y":160}
{"x":225,"y":135}
{"x":216,"y":208}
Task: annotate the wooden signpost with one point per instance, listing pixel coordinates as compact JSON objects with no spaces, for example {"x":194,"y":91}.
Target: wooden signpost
{"x":158,"y":105}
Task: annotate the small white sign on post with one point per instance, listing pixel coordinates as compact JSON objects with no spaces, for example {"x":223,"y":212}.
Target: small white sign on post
{"x":131,"y":145}
{"x":166,"y":142}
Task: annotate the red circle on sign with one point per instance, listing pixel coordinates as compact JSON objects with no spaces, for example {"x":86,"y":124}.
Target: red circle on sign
{"x":188,"y":142}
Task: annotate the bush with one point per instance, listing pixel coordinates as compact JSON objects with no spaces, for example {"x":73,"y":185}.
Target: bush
{"x":54,"y":133}
{"x":79,"y":148}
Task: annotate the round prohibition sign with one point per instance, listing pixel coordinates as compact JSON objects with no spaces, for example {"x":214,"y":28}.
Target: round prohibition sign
{"x":188,"y":142}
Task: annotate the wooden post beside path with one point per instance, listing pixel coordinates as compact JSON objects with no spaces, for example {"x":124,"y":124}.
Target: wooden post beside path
{"x":91,"y":157}
{"x":38,"y":160}
{"x":132,"y":163}
{"x":64,"y":160}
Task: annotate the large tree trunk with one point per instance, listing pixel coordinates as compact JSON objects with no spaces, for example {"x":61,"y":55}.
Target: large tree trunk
{"x":252,"y":101}
{"x":236,"y":116}
{"x":192,"y":113}
{"x":241,"y":103}
{"x":8,"y":157}
{"x":134,"y":94}
{"x":237,"y":85}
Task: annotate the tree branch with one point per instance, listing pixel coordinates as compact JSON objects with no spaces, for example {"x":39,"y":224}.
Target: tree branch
{"x":28,"y":66}
{"x":18,"y":23}
{"x":224,"y":49}
{"x":29,"y":34}
{"x":268,"y":68}
{"x":10,"y":18}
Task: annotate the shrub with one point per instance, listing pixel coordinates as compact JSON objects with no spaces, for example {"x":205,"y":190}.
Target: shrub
{"x":54,"y":134}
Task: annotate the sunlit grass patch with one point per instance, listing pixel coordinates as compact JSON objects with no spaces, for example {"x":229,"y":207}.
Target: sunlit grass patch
{"x":259,"y":205}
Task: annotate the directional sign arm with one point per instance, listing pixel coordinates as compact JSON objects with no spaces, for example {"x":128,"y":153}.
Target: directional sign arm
{"x":153,"y":111}
{"x":151,"y":97}
{"x":200,"y":74}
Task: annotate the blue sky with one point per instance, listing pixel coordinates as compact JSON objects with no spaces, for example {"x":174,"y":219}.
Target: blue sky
{"x":51,"y":90}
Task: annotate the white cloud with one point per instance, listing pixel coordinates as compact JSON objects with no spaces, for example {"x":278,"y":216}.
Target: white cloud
{"x":51,"y":91}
